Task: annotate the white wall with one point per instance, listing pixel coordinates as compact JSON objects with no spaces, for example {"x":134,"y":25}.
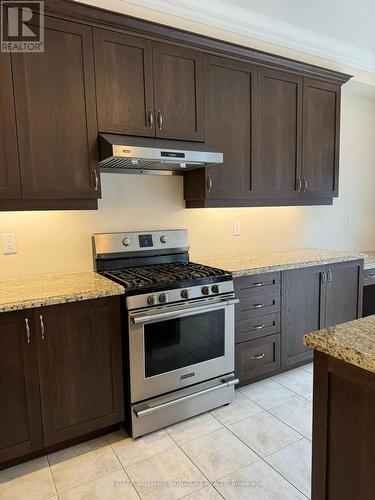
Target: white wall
{"x":51,"y":241}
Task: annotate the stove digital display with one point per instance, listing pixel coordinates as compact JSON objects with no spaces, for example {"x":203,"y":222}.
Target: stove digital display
{"x":145,"y":240}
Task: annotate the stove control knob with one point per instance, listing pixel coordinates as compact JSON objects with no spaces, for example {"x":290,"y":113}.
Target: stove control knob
{"x":126,"y":242}
{"x":151,"y":299}
{"x":185,"y":293}
{"x":205,"y":290}
{"x":215,"y":289}
{"x":163,"y":238}
{"x":163,"y":297}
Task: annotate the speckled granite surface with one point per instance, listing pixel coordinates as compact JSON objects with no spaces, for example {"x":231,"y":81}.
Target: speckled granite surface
{"x":265,"y":262}
{"x":353,"y":342}
{"x":45,"y":290}
{"x":369,"y":260}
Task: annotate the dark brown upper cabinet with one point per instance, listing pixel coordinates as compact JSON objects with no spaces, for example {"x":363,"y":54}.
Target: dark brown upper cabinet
{"x":10,"y":184}
{"x":178,"y":90}
{"x":124,"y":83}
{"x":280,"y":134}
{"x":230,"y":127}
{"x":56,"y":115}
{"x":321,"y":131}
{"x":20,"y":416}
{"x":148,"y":88}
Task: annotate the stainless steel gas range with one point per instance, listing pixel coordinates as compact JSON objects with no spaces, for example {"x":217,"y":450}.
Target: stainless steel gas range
{"x":179,"y":326}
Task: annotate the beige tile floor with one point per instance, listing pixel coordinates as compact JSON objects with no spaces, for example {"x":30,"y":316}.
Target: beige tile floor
{"x":257,"y":448}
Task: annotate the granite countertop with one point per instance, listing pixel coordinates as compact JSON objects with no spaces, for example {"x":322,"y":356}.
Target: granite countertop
{"x":353,"y":342}
{"x":45,"y":290}
{"x":264,"y":262}
{"x":369,"y":260}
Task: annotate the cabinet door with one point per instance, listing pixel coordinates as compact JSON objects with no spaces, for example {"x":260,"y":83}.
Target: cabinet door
{"x":303,"y":306}
{"x":56,"y":115}
{"x":178,"y":89}
{"x":321,"y":125}
{"x":343,"y":293}
{"x":10,"y":186}
{"x":80,"y":367}
{"x":123,"y":73}
{"x":230,"y":114}
{"x":280,"y":134}
{"x":20,"y":419}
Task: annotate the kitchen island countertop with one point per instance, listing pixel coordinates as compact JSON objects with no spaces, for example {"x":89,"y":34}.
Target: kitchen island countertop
{"x":352,"y":342}
{"x":45,"y":290}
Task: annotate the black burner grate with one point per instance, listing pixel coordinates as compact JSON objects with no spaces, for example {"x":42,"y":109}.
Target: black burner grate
{"x":162,"y":274}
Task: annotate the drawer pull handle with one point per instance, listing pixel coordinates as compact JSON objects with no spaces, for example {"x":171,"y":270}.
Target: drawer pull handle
{"x":260,"y":283}
{"x":257,"y":306}
{"x":258,"y":356}
{"x":258,"y":327}
{"x":371,"y":276}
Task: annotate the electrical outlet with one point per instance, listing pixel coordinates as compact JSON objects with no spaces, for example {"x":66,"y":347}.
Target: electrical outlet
{"x":9,"y":243}
{"x":237,"y":228}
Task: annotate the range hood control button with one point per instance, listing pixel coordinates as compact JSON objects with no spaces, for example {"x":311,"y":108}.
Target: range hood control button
{"x":215,"y":289}
{"x":151,"y":299}
{"x":205,"y":290}
{"x":163,"y":297}
{"x":163,"y":238}
{"x":185,"y":293}
{"x":126,"y":242}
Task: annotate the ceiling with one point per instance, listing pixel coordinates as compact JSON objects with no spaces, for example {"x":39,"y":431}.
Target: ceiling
{"x":350,"y":21}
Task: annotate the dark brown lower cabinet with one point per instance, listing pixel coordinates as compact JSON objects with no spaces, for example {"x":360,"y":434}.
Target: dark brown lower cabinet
{"x":80,"y":368}
{"x":276,"y":310}
{"x":343,"y":431}
{"x":303,"y":305}
{"x":315,"y":298}
{"x":61,"y":374}
{"x":20,"y":417}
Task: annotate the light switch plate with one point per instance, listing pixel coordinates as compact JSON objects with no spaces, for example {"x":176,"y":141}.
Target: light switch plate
{"x":237,"y":228}
{"x":9,"y":243}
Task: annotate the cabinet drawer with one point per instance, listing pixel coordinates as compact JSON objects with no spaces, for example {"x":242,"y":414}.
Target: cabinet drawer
{"x":369,"y":276}
{"x":258,"y":305}
{"x":257,"y":327}
{"x":257,"y":357}
{"x":259,"y":283}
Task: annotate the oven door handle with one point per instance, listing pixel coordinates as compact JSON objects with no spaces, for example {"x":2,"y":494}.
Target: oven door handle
{"x":152,"y":409}
{"x":180,"y":313}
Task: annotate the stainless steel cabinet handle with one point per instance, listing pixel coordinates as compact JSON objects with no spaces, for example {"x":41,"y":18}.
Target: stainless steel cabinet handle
{"x":152,"y":409}
{"x":41,"y":326}
{"x":258,"y":356}
{"x":305,"y":184}
{"x":209,"y":183}
{"x":260,"y":283}
{"x":257,"y":306}
{"x":96,"y":180}
{"x":150,"y":118}
{"x":370,"y":276}
{"x":323,"y":277}
{"x":299,"y":184}
{"x":329,"y":276}
{"x":27,"y":330}
{"x":160,"y":120}
{"x":258,"y":327}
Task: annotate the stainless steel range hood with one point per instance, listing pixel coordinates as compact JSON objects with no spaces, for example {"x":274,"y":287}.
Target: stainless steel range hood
{"x":134,"y":155}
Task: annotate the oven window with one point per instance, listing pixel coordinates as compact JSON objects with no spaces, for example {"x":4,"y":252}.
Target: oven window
{"x":180,"y":342}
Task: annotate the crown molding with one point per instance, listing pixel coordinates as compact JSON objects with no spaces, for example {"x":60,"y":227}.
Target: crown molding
{"x":219,"y":14}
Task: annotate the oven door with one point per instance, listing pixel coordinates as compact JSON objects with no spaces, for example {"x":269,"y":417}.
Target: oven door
{"x":177,"y":346}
